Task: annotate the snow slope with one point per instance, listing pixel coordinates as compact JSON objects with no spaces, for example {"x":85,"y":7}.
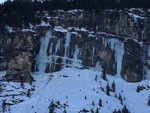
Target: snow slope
{"x":77,"y":89}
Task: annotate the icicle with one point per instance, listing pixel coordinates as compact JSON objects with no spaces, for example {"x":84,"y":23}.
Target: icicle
{"x":148,"y":61}
{"x":1,"y":50}
{"x":57,"y":46}
{"x":75,"y":61}
{"x":66,"y":47}
{"x":98,"y":67}
{"x":42,"y":58}
{"x":118,"y":46}
{"x":119,"y":49}
{"x":56,"y":50}
{"x":51,"y":48}
{"x":93,"y":53}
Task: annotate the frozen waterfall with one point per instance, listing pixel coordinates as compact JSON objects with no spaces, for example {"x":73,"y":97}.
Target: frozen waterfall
{"x":118,"y":47}
{"x":68,"y":34}
{"x":42,"y":58}
{"x":50,"y":54}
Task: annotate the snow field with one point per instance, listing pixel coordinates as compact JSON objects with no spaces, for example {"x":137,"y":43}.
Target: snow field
{"x":77,"y":89}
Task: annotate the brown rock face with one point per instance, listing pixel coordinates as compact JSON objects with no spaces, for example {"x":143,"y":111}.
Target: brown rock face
{"x":133,"y":77}
{"x":19,"y":68}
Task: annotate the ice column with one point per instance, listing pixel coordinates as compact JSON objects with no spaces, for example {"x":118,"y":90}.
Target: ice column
{"x":118,"y":47}
{"x":42,"y":58}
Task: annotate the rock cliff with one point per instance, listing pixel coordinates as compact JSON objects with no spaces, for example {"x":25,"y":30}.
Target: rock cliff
{"x":116,"y":41}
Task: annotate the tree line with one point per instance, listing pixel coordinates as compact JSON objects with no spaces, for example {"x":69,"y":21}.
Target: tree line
{"x":20,"y":12}
{"x":29,"y":6}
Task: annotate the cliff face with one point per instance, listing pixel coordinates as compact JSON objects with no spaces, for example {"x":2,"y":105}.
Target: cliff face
{"x":81,"y":49}
{"x":116,"y":41}
{"x":17,"y":53}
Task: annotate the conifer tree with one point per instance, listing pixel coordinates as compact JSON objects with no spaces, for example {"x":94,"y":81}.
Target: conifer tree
{"x":113,"y":86}
{"x":22,"y":85}
{"x":93,"y":103}
{"x":115,"y":95}
{"x":120,"y":98}
{"x":104,"y":74}
{"x":51,"y":107}
{"x":92,"y":111}
{"x":107,"y":89}
{"x":96,"y":78}
{"x":114,"y":111}
{"x":64,"y":111}
{"x":100,"y":103}
{"x":125,"y":110}
{"x":148,"y":103}
{"x":97,"y":111}
{"x":28,"y":93}
{"x":4,"y":105}
{"x":119,"y":111}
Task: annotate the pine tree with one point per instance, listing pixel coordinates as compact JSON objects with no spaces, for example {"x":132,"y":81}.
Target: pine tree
{"x":120,"y":98}
{"x":100,"y":103}
{"x":92,"y":111}
{"x":28,"y":93}
{"x":125,"y":110}
{"x":96,"y":78}
{"x":97,"y":111}
{"x":119,"y":111}
{"x":93,"y":103}
{"x":22,"y":85}
{"x":113,"y":86}
{"x":115,"y":95}
{"x":51,"y":107}
{"x":114,"y":111}
{"x":107,"y":89}
{"x":148,"y":103}
{"x":104,"y":74}
{"x":4,"y":105}
{"x":85,"y":98}
{"x":64,"y":111}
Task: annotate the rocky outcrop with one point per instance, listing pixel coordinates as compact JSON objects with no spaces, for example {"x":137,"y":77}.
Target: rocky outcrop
{"x":19,"y":68}
{"x":132,"y":66}
{"x":131,"y":23}
{"x":19,"y":57}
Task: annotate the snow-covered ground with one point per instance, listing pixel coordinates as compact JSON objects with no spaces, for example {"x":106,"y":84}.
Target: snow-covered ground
{"x":76,"y":89}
